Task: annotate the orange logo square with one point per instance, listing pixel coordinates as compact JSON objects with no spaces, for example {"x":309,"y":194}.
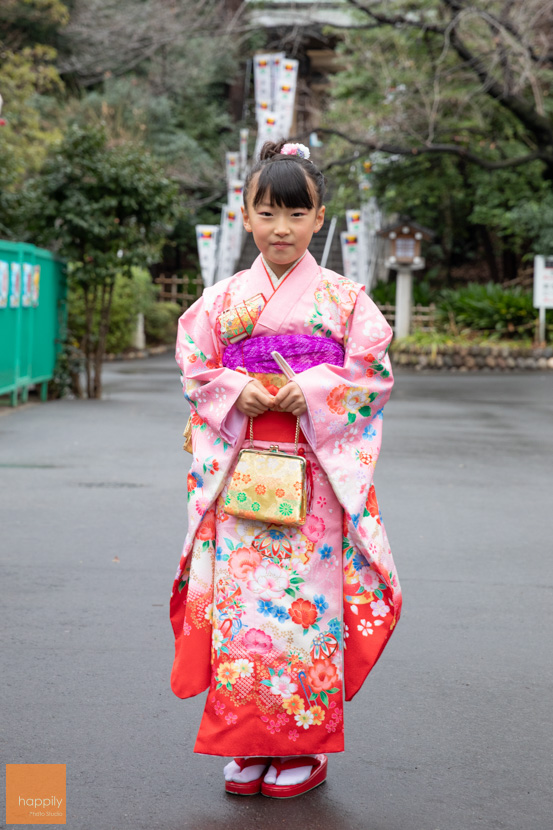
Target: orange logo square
{"x":36,"y":794}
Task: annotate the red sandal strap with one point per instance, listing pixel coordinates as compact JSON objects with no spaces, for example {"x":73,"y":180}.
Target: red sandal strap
{"x":295,"y":763}
{"x":243,"y":763}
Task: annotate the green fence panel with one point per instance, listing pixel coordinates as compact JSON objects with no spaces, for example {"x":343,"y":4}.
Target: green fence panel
{"x":33,"y":313}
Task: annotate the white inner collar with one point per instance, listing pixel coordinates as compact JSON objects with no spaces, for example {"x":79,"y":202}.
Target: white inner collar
{"x":273,"y":277}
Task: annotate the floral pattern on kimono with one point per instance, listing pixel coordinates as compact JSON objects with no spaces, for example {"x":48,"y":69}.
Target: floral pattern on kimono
{"x":343,"y":425}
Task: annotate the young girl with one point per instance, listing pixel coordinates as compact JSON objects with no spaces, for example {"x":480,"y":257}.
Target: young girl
{"x":281,"y":623}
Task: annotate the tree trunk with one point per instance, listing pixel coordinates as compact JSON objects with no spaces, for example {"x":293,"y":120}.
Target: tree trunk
{"x":90,"y":305}
{"x":105,"y":313}
{"x":489,"y":252}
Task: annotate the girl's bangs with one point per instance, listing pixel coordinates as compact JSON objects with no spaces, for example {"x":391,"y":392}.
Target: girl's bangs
{"x":286,"y":185}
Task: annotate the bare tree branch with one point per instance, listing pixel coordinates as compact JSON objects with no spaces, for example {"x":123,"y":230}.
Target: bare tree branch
{"x":401,"y":150}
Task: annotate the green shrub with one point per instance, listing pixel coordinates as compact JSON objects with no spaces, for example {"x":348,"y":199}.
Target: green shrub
{"x":500,"y":312}
{"x":384,"y":293}
{"x":160,"y":322}
{"x":131,"y":296}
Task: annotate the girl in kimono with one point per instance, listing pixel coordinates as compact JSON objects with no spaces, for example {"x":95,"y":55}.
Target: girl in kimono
{"x":282,"y":624}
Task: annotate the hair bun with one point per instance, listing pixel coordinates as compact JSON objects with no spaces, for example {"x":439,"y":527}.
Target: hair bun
{"x":271,"y":149}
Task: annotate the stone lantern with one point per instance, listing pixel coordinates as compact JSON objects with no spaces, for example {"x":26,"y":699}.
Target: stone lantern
{"x":405,"y":239}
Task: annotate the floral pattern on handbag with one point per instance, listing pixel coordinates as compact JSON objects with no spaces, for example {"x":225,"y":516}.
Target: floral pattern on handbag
{"x":268,"y":485}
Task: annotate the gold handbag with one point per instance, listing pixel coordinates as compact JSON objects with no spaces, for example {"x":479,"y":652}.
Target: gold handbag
{"x":269,"y":485}
{"x":187,"y":435}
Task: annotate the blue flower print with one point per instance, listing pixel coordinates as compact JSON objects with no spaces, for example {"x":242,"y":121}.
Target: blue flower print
{"x":379,"y":414}
{"x":369,"y":431}
{"x":265,"y":606}
{"x":355,"y":518}
{"x":325,"y":552}
{"x":280,"y":613}
{"x":358,"y":562}
{"x":321,"y":604}
{"x":335,"y":628}
{"x":199,"y":479}
{"x":219,"y":553}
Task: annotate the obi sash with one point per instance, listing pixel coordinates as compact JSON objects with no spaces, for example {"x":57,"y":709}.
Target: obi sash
{"x":301,"y":351}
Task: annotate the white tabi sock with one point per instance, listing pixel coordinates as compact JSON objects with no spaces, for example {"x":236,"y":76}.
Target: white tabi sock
{"x":288,"y":776}
{"x":232,"y":772}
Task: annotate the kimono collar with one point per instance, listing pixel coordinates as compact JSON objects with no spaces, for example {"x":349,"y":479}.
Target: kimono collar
{"x":276,"y":281}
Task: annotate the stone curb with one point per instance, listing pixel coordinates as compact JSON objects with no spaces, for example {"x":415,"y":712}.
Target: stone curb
{"x":471,"y":358}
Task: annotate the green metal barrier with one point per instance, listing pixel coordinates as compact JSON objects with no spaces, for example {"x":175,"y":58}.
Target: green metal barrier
{"x":33,"y":313}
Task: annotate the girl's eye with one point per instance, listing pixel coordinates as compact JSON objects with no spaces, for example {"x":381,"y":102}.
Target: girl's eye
{"x":299,"y":213}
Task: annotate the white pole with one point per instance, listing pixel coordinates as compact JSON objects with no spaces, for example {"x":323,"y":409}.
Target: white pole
{"x":328,"y":242}
{"x":542,"y":324}
{"x":404,"y":292}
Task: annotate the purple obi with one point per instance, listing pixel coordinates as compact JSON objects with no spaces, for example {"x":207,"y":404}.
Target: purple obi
{"x":302,"y":351}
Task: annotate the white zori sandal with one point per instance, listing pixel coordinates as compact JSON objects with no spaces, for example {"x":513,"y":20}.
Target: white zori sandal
{"x":318,"y":775}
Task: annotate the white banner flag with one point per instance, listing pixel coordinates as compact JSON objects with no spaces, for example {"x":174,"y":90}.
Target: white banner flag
{"x":232,"y":165}
{"x":244,"y":134}
{"x":285,"y":96}
{"x":350,"y":255}
{"x":206,"y":239}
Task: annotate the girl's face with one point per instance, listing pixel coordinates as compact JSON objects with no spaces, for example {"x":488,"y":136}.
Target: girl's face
{"x":282,"y":234}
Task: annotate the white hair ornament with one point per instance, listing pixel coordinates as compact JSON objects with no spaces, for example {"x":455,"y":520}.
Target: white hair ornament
{"x":295,"y":150}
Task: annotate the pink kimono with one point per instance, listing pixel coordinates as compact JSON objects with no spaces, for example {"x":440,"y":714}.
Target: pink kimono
{"x":282,"y":624}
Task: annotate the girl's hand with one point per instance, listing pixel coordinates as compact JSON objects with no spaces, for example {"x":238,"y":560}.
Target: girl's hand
{"x":290,"y":399}
{"x":254,"y":399}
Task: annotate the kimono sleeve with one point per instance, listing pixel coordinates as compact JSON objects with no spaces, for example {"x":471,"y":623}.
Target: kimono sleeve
{"x":210,"y":388}
{"x":344,"y":418}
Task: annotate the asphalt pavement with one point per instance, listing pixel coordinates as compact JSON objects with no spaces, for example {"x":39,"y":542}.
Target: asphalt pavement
{"x":451,"y":731}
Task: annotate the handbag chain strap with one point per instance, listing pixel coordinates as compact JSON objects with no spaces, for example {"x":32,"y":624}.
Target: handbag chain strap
{"x":296,"y":439}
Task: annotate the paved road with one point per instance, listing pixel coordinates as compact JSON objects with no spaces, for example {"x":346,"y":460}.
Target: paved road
{"x":452,"y":731}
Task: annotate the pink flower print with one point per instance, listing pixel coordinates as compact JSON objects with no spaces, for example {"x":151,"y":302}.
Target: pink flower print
{"x":380,"y":609}
{"x":268,"y":581}
{"x":331,"y":726}
{"x":186,"y":628}
{"x":257,"y":641}
{"x":243,"y":561}
{"x":282,"y":719}
{"x":337,"y":715}
{"x":293,"y":735}
{"x":313,"y":528}
{"x":273,"y":726}
{"x":219,"y":707}
{"x":321,"y":501}
{"x":231,"y":718}
{"x":369,"y":579}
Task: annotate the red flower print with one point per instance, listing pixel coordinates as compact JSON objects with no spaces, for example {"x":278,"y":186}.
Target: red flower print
{"x":257,"y":641}
{"x":243,"y":561}
{"x":210,"y":364}
{"x":279,"y":492}
{"x":214,"y":466}
{"x":246,"y":478}
{"x":260,"y":489}
{"x":190,"y":483}
{"x":303,"y":612}
{"x":369,"y":358}
{"x":322,"y":675}
{"x":196,"y":420}
{"x":192,"y":358}
{"x":372,"y":505}
{"x":207,"y":528}
{"x":335,"y":400}
{"x":313,"y":528}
